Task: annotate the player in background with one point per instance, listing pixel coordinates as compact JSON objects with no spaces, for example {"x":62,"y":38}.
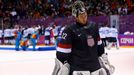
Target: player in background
{"x":34,"y":38}
{"x":113,"y":38}
{"x":103,"y":31}
{"x":52,"y":36}
{"x":7,"y":35}
{"x":55,"y":31}
{"x":61,"y":30}
{"x":47,"y":35}
{"x":80,"y":47}
{"x":18,"y":36}
{"x":24,"y":43}
{"x":59,"y":34}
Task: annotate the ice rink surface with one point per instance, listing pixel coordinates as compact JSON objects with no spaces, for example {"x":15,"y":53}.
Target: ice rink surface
{"x":42,"y":62}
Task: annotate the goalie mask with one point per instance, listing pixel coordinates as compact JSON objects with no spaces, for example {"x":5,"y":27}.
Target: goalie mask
{"x":78,"y":8}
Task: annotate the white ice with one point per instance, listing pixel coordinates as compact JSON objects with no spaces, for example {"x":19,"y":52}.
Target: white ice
{"x":42,"y":62}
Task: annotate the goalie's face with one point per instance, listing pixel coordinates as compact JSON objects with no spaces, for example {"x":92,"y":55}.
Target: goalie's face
{"x":82,"y":18}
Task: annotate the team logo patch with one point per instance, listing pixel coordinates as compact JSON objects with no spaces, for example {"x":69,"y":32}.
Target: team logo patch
{"x":90,"y":41}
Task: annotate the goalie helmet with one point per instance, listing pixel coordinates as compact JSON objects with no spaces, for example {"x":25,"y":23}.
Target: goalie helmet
{"x":77,"y":8}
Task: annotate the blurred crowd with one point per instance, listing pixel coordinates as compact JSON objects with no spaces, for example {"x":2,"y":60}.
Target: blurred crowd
{"x":14,"y":10}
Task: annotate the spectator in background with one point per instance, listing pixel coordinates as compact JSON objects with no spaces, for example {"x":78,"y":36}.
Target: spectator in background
{"x":127,"y":33}
{"x":122,"y":10}
{"x":13,"y":17}
{"x":132,"y":33}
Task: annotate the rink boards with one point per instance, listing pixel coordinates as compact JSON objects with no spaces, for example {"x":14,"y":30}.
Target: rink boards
{"x":38,"y":48}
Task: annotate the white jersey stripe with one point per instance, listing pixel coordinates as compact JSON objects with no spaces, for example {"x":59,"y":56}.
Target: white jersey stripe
{"x":63,"y":50}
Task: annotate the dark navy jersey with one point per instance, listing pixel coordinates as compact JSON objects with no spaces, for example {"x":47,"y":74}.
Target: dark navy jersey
{"x":80,"y":42}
